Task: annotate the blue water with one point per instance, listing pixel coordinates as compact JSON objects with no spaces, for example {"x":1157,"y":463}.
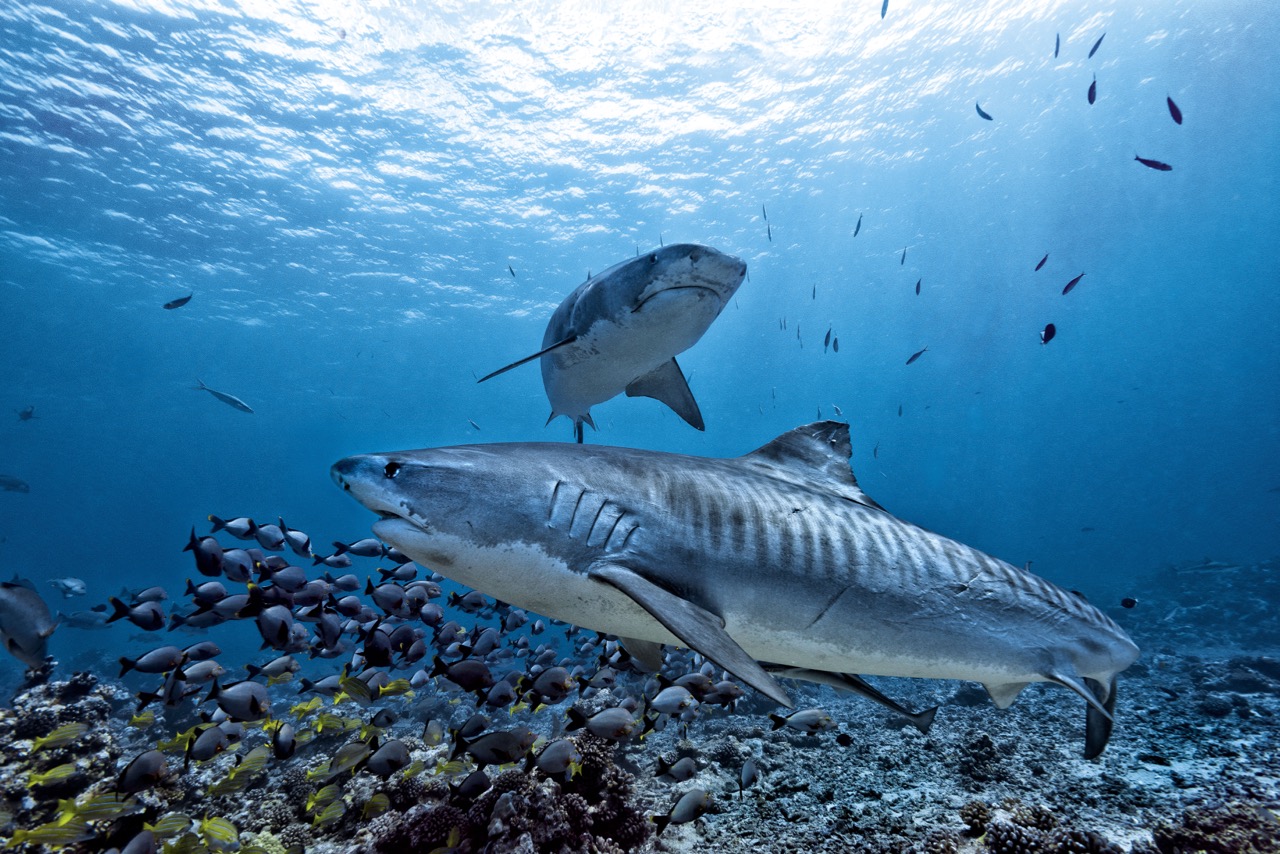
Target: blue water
{"x":344,"y":189}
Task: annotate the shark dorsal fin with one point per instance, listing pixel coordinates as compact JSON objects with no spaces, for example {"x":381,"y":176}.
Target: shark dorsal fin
{"x":815,"y":455}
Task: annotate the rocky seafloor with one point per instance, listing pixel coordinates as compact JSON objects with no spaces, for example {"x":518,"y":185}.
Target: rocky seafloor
{"x":1193,"y":764}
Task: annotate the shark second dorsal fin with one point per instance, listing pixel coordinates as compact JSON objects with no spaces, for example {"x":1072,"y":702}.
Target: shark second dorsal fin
{"x":815,"y":455}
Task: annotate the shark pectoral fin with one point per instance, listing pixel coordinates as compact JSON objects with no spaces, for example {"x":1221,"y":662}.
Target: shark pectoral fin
{"x":544,"y":351}
{"x":666,"y":384}
{"x":1097,"y":728}
{"x":1095,"y":701}
{"x":697,"y":627}
{"x":648,"y":653}
{"x":1004,"y":693}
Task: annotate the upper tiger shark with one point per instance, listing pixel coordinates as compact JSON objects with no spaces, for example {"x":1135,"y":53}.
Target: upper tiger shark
{"x":622,"y":329}
{"x":775,"y":560}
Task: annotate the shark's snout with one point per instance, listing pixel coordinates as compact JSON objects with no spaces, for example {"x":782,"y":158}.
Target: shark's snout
{"x":341,"y":470}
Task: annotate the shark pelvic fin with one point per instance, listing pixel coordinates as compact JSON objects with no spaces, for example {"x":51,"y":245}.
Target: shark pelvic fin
{"x":814,"y":456}
{"x":857,"y":685}
{"x":699,"y":628}
{"x":1004,"y":693}
{"x":666,"y":384}
{"x":544,"y":351}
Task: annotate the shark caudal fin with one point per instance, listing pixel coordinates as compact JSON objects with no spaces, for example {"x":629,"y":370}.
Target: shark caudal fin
{"x":1098,"y":722}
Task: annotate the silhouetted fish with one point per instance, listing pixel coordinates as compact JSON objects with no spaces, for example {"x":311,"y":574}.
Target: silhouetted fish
{"x":1173,"y":110}
{"x":914,"y":356}
{"x":181,"y":301}
{"x":1159,"y":166}
{"x":918,"y":281}
{"x":904,"y":257}
{"x":858,"y":227}
{"x":513,"y":272}
{"x":1046,"y":335}
{"x":1096,"y":45}
{"x":1041,"y":264}
{"x":769,"y":231}
{"x":1057,"y":44}
{"x":835,"y":348}
{"x":1093,"y":89}
{"x":884,"y":7}
{"x":229,"y":399}
{"x":826,"y":342}
{"x":1071,"y":284}
{"x":764,"y":213}
{"x":982,"y":112}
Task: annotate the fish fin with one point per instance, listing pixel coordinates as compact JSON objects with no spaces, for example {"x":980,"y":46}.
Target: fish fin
{"x":1097,"y":729}
{"x":694,"y":625}
{"x":666,"y":384}
{"x":648,"y":653}
{"x":544,"y":351}
{"x":1084,"y":690}
{"x":815,"y":455}
{"x":1004,"y":693}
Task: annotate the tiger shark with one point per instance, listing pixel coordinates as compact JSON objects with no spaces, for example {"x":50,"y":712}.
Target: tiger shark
{"x":775,"y":560}
{"x":622,"y":329}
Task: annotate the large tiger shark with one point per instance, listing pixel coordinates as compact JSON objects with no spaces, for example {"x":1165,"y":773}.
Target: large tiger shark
{"x":773,"y":560}
{"x":622,"y":329}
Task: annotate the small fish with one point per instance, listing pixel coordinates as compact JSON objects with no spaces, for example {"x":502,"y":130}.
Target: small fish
{"x":769,"y":231}
{"x":54,"y":834}
{"x":1071,"y":284}
{"x":143,"y":720}
{"x":69,"y":587}
{"x":918,"y":281}
{"x":839,"y":412}
{"x":1157,"y":165}
{"x":60,"y":737}
{"x":473,"y":424}
{"x":219,"y":834}
{"x":694,"y":802}
{"x":375,"y":806}
{"x":53,"y":775}
{"x":330,"y":814}
{"x":916,"y":355}
{"x":173,"y":824}
{"x":903,"y":260}
{"x":1057,"y":44}
{"x":1096,"y":45}
{"x":27,"y":413}
{"x":807,"y":721}
{"x":1093,"y":89}
{"x":9,"y":483}
{"x":1042,"y":263}
{"x":815,"y":292}
{"x":884,"y":7}
{"x":835,"y":344}
{"x":105,"y":807}
{"x":826,"y":342}
{"x":180,"y":301}
{"x":764,"y":213}
{"x":229,"y":399}
{"x":875,"y":452}
{"x":982,"y":112}
{"x":858,"y":227}
{"x":1128,"y":602}
{"x":1173,"y":110}
{"x":900,"y":405}
{"x":1046,"y":334}
{"x":748,"y":777}
{"x":679,"y":771}
{"x":511,"y":271}
{"x":321,"y":798}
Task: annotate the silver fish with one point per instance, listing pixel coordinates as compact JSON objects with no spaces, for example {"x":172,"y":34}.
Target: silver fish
{"x":229,"y":399}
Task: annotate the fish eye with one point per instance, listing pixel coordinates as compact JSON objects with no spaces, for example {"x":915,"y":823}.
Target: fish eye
{"x":391,"y":470}
{"x":653,"y":259}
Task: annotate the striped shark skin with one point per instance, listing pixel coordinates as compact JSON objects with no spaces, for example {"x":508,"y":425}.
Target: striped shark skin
{"x":772,"y":560}
{"x":620,"y":331}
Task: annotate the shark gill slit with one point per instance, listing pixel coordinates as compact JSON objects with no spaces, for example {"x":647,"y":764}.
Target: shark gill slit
{"x":574,"y":514}
{"x":551,"y":505}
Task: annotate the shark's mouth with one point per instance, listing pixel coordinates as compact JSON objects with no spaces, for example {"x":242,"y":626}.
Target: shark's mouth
{"x":642,"y":302}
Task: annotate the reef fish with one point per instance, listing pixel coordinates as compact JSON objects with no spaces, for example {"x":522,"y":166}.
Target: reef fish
{"x":982,"y":112}
{"x":25,"y":622}
{"x":1158,"y":165}
{"x":776,"y":557}
{"x":179,"y":302}
{"x":9,"y":483}
{"x":621,"y":331}
{"x":1174,"y":112}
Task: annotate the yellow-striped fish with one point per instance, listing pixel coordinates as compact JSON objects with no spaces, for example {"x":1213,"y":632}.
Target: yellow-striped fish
{"x":375,"y":806}
{"x":301,"y":710}
{"x":330,"y":814}
{"x":321,"y":798}
{"x":219,"y":834}
{"x":54,"y":775}
{"x":171,"y":825}
{"x":143,"y":719}
{"x":52,"y":835}
{"x":60,"y":737}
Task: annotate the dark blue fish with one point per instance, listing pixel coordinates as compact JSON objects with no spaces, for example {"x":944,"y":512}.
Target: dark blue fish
{"x":764,"y":213}
{"x":1057,"y":43}
{"x":769,"y":231}
{"x":1041,"y":264}
{"x":1093,"y":89}
{"x":884,"y":7}
{"x":914,"y":356}
{"x":1173,"y":110}
{"x":858,"y":227}
{"x":1159,"y":166}
{"x":918,"y":281}
{"x":1047,"y":334}
{"x":982,"y":112}
{"x":513,"y":272}
{"x":904,"y":257}
{"x":1096,"y":45}
{"x":1071,"y":284}
{"x":181,"y":301}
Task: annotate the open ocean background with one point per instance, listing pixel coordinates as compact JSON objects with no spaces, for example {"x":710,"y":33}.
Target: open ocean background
{"x":343,"y":187}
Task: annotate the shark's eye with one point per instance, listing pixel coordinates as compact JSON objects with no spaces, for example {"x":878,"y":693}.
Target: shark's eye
{"x":653,"y":259}
{"x":391,"y":470}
